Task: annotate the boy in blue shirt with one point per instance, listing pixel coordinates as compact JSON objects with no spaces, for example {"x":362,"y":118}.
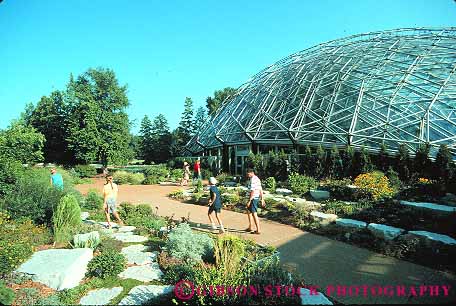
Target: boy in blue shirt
{"x":215,"y":204}
{"x":56,"y":179}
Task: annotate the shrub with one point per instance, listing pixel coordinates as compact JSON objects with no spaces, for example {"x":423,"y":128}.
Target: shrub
{"x":151,"y":180}
{"x":13,"y":253}
{"x":394,"y":180}
{"x":109,"y":263}
{"x":301,"y":184}
{"x":230,"y":199}
{"x":137,"y":178}
{"x":177,"y":272}
{"x":191,"y":247}
{"x":10,"y":172}
{"x":198,"y":187}
{"x":301,"y":215}
{"x":339,"y":189}
{"x":270,"y":184}
{"x":341,"y":208}
{"x":177,"y":174}
{"x":124,"y":177}
{"x":66,"y":218}
{"x":222,"y":177}
{"x":228,"y":251}
{"x":157,"y":171}
{"x":85,"y":170}
{"x":92,"y":242}
{"x":376,"y":183}
{"x":178,"y":194}
{"x":93,"y":200}
{"x":7,"y":295}
{"x":140,"y":215}
{"x":33,"y":197}
{"x":108,"y":244}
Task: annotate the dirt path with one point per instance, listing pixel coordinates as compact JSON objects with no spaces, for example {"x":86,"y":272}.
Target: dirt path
{"x":322,"y":261}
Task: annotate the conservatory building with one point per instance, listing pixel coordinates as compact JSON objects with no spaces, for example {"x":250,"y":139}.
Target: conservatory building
{"x":391,"y":87}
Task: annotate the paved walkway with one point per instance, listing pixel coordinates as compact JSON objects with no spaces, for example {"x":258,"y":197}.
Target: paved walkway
{"x":322,"y":261}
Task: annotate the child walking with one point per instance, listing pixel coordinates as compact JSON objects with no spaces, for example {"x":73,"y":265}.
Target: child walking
{"x":215,"y":204}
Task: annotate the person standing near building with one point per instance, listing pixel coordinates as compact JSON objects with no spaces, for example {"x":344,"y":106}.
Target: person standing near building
{"x":215,"y":204}
{"x":110,"y":191}
{"x":197,"y":170}
{"x":255,"y":196}
{"x":186,"y":174}
{"x":56,"y":179}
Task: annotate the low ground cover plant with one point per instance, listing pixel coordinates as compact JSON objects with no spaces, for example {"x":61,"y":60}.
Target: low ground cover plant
{"x":108,"y":263}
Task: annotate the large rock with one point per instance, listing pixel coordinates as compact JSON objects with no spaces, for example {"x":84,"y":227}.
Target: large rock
{"x":141,"y":294}
{"x":136,"y":254}
{"x":126,"y":229}
{"x":129,"y":237}
{"x":319,"y":195}
{"x":434,"y":237}
{"x":92,"y":238}
{"x":58,"y":268}
{"x":384,"y":231}
{"x":313,"y":299}
{"x":100,"y":296}
{"x":351,"y":223}
{"x":295,"y":200}
{"x":84,"y":215}
{"x":145,"y":273}
{"x":432,"y":206}
{"x":322,"y":217}
{"x":284,"y":191}
{"x":105,"y":224}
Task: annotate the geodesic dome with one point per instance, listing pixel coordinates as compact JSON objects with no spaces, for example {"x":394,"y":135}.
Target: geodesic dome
{"x":388,"y":87}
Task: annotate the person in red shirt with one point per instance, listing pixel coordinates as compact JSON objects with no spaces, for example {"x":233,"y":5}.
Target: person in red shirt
{"x":197,"y":170}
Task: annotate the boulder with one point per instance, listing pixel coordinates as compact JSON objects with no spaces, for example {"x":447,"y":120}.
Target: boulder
{"x":384,"y":231}
{"x":100,"y":296}
{"x":322,"y":217}
{"x":295,"y":200}
{"x":144,"y":273}
{"x":137,"y":254}
{"x":432,"y":206}
{"x":319,"y":195}
{"x":313,"y":299}
{"x":143,"y":293}
{"x":351,"y":223}
{"x":58,"y":268}
{"x":125,"y":229}
{"x":284,"y":191}
{"x":434,"y":237}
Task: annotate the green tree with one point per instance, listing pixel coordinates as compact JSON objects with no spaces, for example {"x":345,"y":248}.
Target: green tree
{"x":319,"y":162}
{"x":421,"y":162}
{"x":334,"y":167}
{"x":383,"y":159}
{"x":161,"y":138}
{"x":98,"y":126}
{"x":362,"y":162}
{"x":214,"y":103}
{"x":402,"y":162}
{"x":185,"y":130}
{"x":146,"y":140}
{"x":22,"y":143}
{"x":48,"y":117}
{"x":200,"y":118}
{"x":308,"y":167}
{"x":348,"y":156}
{"x":444,"y":165}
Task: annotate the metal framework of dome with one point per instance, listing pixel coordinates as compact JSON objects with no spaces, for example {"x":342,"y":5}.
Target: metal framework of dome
{"x":390,"y":87}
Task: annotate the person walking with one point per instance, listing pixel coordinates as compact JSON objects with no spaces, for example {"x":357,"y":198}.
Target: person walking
{"x":255,"y":196}
{"x":56,"y":179}
{"x":110,"y":191}
{"x":215,"y":204}
{"x":197,"y":171}
{"x":186,"y":174}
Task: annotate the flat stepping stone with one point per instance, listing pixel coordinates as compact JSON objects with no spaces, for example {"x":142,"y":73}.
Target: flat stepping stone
{"x":145,"y":273}
{"x":143,"y":293}
{"x":136,"y":254}
{"x":431,"y":206}
{"x":296,"y":200}
{"x":58,"y":268}
{"x":124,"y":229}
{"x":284,"y":191}
{"x":84,"y":215}
{"x":105,"y":224}
{"x":384,"y":231}
{"x":100,"y":296}
{"x":313,"y":299}
{"x":129,"y":237}
{"x":351,"y":223}
{"x":319,"y":195}
{"x":434,"y":237}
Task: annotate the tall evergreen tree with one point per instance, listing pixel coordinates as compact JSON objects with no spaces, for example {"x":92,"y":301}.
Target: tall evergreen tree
{"x":402,"y":163}
{"x":186,"y":126}
{"x":334,"y":167}
{"x":319,"y":162}
{"x":308,"y":166}
{"x":146,"y":140}
{"x":348,"y":156}
{"x":444,"y":165}
{"x":383,"y":159}
{"x":421,"y":162}
{"x":200,"y":118}
{"x":362,"y":162}
{"x":162,"y":139}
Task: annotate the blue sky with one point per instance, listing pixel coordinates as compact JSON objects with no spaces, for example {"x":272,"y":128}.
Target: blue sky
{"x":168,"y":50}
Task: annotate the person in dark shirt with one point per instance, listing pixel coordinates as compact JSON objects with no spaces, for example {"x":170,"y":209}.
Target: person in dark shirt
{"x":215,"y":204}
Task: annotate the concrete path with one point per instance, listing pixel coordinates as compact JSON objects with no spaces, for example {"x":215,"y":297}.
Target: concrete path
{"x":321,"y":261}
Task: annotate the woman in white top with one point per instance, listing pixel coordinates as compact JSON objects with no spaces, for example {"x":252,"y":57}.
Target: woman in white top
{"x":110,"y":191}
